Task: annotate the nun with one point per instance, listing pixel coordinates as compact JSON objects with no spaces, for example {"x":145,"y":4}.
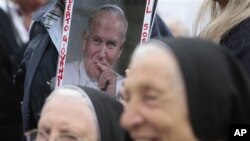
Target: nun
{"x":72,"y":113}
{"x":184,"y":90}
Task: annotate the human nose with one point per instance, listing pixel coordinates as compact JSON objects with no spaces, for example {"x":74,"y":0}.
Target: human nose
{"x":131,"y":117}
{"x":102,"y":51}
{"x":52,"y":137}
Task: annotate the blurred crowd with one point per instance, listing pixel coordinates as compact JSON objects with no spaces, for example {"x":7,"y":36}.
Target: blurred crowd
{"x":175,"y":88}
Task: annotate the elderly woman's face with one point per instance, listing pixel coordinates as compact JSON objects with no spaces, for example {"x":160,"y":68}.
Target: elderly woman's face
{"x":156,"y":104}
{"x":67,"y":118}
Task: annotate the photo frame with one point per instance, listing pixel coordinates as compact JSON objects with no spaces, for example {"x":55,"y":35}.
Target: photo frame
{"x":93,"y":51}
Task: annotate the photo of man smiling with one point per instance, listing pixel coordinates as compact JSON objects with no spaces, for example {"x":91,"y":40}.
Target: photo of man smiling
{"x":102,"y":46}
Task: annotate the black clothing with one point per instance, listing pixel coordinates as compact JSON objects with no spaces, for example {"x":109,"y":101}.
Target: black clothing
{"x":40,"y":63}
{"x":10,"y":107}
{"x":238,"y":42}
{"x":218,"y":90}
{"x":41,"y":90}
{"x":160,"y":29}
{"x":108,"y":112}
{"x":14,"y":46}
{"x":11,"y":54}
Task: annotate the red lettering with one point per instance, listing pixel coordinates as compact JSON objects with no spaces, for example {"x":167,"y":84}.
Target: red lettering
{"x":67,"y":20}
{"x":68,"y":13}
{"x":144,"y":34}
{"x":65,"y":38}
{"x":59,"y":78}
{"x":70,"y":1}
{"x":62,"y":56}
{"x":66,"y":28}
{"x":148,"y":2}
{"x":68,"y":16}
{"x":62,"y":60}
{"x":61,"y":63}
{"x":145,"y":26}
{"x":69,"y":7}
{"x":143,"y":39}
{"x":147,"y":10}
{"x":63,"y":51}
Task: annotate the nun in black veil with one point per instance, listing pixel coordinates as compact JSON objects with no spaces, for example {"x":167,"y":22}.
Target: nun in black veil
{"x":73,"y":113}
{"x":108,"y":112}
{"x":218,"y":89}
{"x":184,"y":89}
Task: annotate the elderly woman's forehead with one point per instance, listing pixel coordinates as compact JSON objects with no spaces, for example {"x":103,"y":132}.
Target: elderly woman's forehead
{"x":153,"y":55}
{"x":68,"y":95}
{"x":68,"y":91}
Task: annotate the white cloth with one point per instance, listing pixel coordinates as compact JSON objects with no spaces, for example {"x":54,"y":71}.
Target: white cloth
{"x":75,"y":74}
{"x":12,"y":9}
{"x":53,"y":21}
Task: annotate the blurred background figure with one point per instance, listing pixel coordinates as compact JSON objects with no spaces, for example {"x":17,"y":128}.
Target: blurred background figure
{"x":16,"y":19}
{"x":76,"y":114}
{"x":14,"y":35}
{"x":184,"y":11}
{"x":177,"y":27}
{"x":10,"y":114}
{"x":160,"y":30}
{"x":227,"y":22}
{"x":184,"y":89}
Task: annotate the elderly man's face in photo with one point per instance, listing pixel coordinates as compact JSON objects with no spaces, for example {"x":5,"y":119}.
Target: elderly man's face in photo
{"x":156,"y":106}
{"x":67,"y":118}
{"x":103,"y":43}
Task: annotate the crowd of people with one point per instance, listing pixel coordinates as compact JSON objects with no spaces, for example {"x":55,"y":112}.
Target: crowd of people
{"x":175,"y":89}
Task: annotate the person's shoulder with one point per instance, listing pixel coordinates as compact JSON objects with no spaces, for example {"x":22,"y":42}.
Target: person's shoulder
{"x":244,"y":25}
{"x":242,"y":28}
{"x":239,"y":34}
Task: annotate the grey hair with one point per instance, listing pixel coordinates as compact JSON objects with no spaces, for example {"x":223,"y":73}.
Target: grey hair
{"x":112,"y":9}
{"x":72,"y":91}
{"x":152,"y":45}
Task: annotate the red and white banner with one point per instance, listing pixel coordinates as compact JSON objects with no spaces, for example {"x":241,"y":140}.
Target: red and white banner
{"x":64,"y":41}
{"x":147,"y":20}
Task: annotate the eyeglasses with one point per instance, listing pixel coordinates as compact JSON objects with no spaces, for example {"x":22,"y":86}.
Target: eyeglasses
{"x":41,"y":135}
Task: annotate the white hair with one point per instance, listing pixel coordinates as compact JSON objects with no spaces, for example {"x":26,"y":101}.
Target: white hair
{"x":156,"y":46}
{"x":71,"y":91}
{"x":111,"y":8}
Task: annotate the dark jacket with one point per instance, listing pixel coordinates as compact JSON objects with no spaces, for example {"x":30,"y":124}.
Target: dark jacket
{"x":238,"y":42}
{"x":11,"y":53}
{"x":10,"y":107}
{"x":14,"y":45}
{"x":40,"y":63}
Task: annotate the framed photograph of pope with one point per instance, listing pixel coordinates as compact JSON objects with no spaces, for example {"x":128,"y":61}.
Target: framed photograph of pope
{"x":102,"y":35}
